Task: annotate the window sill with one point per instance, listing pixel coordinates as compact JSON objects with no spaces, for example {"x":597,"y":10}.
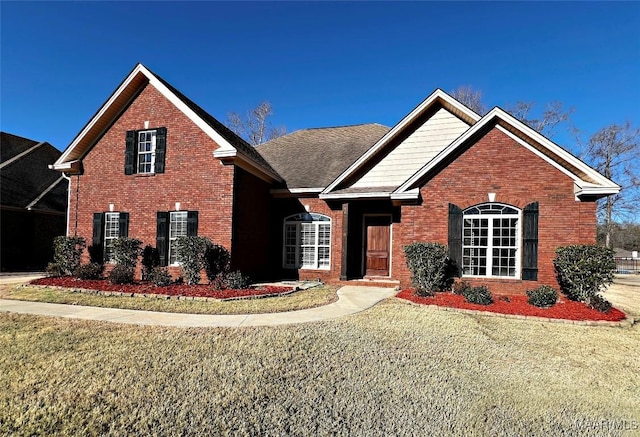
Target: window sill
{"x":493,"y":278}
{"x":309,"y":269}
{"x":144,"y":175}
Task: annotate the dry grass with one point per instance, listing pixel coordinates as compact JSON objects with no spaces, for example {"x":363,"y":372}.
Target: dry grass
{"x":299,"y":300}
{"x":395,"y":369}
{"x":624,"y":297}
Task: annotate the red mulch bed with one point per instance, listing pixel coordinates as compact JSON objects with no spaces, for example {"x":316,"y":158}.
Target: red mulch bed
{"x":149,"y":288}
{"x":517,"y":304}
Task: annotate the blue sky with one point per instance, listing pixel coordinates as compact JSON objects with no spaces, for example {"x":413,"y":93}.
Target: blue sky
{"x":319,"y":64}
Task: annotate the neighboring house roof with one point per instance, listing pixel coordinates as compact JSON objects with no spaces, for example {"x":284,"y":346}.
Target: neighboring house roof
{"x":312,"y":158}
{"x":588,"y":182}
{"x":233,"y":149}
{"x":26,"y":180}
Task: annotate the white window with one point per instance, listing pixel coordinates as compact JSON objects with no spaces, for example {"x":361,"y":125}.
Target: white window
{"x":177,"y":228}
{"x":146,"y":151}
{"x":111,"y":232}
{"x":490,"y":241}
{"x":307,"y":242}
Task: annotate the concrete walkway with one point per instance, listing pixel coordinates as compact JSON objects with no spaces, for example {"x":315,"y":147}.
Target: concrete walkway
{"x":351,"y":300}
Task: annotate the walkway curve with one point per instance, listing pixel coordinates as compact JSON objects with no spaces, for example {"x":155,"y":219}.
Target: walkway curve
{"x":351,"y":300}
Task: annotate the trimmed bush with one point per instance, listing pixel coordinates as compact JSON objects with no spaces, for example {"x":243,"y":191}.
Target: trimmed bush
{"x":150,"y":260}
{"x":66,"y":254}
{"x":217,"y":262}
{"x":584,"y":270}
{"x":601,"y":304}
{"x":237,"y":281}
{"x":543,"y":297}
{"x":429,"y":266}
{"x":190,"y":253}
{"x":126,"y":252}
{"x":160,"y":276}
{"x":459,"y":287}
{"x":53,"y":269}
{"x":90,"y":271}
{"x":121,"y":275}
{"x":479,"y":295}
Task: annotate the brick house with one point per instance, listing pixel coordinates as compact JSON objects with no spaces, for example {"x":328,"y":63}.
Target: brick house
{"x":332,"y":203}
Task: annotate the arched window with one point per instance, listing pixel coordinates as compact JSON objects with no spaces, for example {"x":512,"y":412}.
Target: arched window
{"x":491,"y":241}
{"x":307,"y":241}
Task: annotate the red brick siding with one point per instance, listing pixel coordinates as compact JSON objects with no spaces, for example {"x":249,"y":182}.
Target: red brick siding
{"x":192,"y":176}
{"x":498,"y":164}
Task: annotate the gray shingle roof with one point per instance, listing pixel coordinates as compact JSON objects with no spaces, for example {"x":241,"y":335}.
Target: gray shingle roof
{"x":313,"y":158}
{"x":26,"y":178}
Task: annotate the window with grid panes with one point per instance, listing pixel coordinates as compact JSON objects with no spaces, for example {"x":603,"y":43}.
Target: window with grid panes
{"x":146,"y":151}
{"x":177,"y":228}
{"x":490,"y":241}
{"x":307,"y":241}
{"x":111,"y":232}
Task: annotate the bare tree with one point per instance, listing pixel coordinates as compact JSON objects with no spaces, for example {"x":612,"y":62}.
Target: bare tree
{"x":552,"y":115}
{"x":466,"y":95}
{"x":255,"y":126}
{"x":615,"y":152}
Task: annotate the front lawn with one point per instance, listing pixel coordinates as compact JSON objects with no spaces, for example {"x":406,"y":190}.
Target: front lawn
{"x":302,"y":299}
{"x":396,"y":369}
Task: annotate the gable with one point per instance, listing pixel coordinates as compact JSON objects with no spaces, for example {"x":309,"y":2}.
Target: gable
{"x":415,"y":151}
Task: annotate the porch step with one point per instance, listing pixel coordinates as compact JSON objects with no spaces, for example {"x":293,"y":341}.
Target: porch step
{"x":371,"y":282}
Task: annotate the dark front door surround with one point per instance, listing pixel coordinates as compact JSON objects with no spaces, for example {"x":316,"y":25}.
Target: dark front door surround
{"x":377,"y":236}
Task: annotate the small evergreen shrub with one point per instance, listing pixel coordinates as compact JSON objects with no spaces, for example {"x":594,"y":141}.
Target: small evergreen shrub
{"x":66,"y":254}
{"x":190,"y":252}
{"x":237,"y":281}
{"x":459,"y":287}
{"x":429,"y":266}
{"x":479,"y":295}
{"x":90,"y":271}
{"x":584,"y":270}
{"x":121,"y":274}
{"x":150,"y":260}
{"x":601,"y":304}
{"x":543,"y":297}
{"x":126,"y":252}
{"x":217,"y":262}
{"x":160,"y":276}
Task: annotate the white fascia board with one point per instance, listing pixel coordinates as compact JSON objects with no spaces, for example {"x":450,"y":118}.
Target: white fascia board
{"x":345,"y":196}
{"x":294,"y":191}
{"x":65,"y":166}
{"x":438,"y":93}
{"x":101,"y":112}
{"x":413,"y":194}
{"x":225,"y":153}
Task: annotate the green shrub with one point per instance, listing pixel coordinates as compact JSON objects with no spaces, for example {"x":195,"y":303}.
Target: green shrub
{"x":160,"y":276}
{"x":600,"y":303}
{"x":584,"y":270}
{"x":543,"y":297}
{"x":479,"y":295}
{"x":90,"y":271}
{"x":121,"y":274}
{"x":150,"y":260}
{"x":126,"y":252}
{"x":237,"y":281}
{"x":190,"y":253}
{"x":429,"y":265}
{"x":66,"y":254}
{"x":217,"y":262}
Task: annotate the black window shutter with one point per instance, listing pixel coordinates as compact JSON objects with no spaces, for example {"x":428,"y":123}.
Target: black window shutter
{"x":130,"y":153}
{"x":161,"y":147}
{"x":162,"y":237}
{"x":455,"y":237}
{"x":123,"y":224}
{"x":98,"y":234}
{"x":530,"y":242}
{"x":192,"y":223}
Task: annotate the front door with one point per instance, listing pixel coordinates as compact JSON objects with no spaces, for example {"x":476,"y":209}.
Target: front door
{"x":378,"y":239}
